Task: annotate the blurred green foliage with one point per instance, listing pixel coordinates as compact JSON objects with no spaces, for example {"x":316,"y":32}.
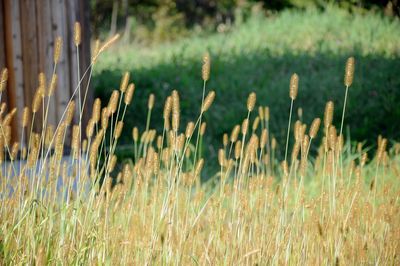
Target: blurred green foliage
{"x":154,"y":21}
{"x":260,"y":55}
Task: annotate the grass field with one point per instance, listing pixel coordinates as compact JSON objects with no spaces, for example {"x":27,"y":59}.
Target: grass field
{"x":330,"y":201}
{"x":260,"y":56}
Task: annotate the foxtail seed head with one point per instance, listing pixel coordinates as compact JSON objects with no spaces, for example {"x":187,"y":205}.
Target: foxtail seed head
{"x":349,"y":72}
{"x":25,"y":117}
{"x":175,"y":110}
{"x":266,"y":113}
{"x":96,"y":110}
{"x":294,"y":86}
{"x":77,"y":33}
{"x":208,"y":101}
{"x":113,"y":103}
{"x":70,"y":113}
{"x":4,"y":78}
{"x":189,"y":130}
{"x":251,"y":101}
{"x":235,"y":133}
{"x":150,"y":103}
{"x":118,"y":129}
{"x":245,"y":126}
{"x":95,"y":51}
{"x":129,"y":94}
{"x":135,"y":134}
{"x":53,"y":85}
{"x":328,"y":115}
{"x":57,"y":50}
{"x":205,"y":70}
{"x":124,"y":82}
{"x":314,"y":127}
{"x":108,"y":43}
{"x":37,"y":100}
{"x":203,"y":128}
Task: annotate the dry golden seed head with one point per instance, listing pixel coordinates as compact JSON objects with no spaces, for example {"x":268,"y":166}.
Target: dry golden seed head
{"x":238,"y":147}
{"x":349,"y":72}
{"x":332,"y":136}
{"x":129,"y":94}
{"x":96,"y":110}
{"x":339,"y":143}
{"x":124,"y":82}
{"x":245,"y":126}
{"x":208,"y":101}
{"x":77,"y":34}
{"x":255,"y":123}
{"x":273,"y":143}
{"x":266,"y":113}
{"x":221,"y":157}
{"x":113,"y":162}
{"x":4,"y":78}
{"x":95,"y":50}
{"x":314,"y":127}
{"x":264,"y":138}
{"x":203,"y":128}
{"x":167,"y":107}
{"x":205,"y":70}
{"x":296,"y":150}
{"x":251,"y":101}
{"x":42,"y":81}
{"x":159,"y":142}
{"x":382,"y":148}
{"x":304,"y":146}
{"x":25,"y":117}
{"x":300,"y":113}
{"x":199,"y":167}
{"x":135,"y":134}
{"x":104,"y":118}
{"x":303,"y":166}
{"x":150,"y":104}
{"x":225,"y":140}
{"x":108,"y":43}
{"x":53,"y":85}
{"x":294,"y":86}
{"x":328,"y":115}
{"x":14,"y":150}
{"x":189,"y":130}
{"x":118,"y":129}
{"x":175,"y":110}
{"x":285,"y":168}
{"x":9,"y":117}
{"x":90,"y":128}
{"x":70,"y":113}
{"x":113,"y":103}
{"x":235,"y":133}
{"x":75,"y":139}
{"x":37,"y":100}
{"x":297,"y":126}
{"x":261,"y":113}
{"x":57,"y":50}
{"x":49,"y":135}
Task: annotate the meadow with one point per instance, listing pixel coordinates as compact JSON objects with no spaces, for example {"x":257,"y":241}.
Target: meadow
{"x":314,"y":197}
{"x":260,"y":55}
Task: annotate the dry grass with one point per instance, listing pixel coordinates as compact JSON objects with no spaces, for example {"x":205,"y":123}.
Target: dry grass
{"x":335,"y":207}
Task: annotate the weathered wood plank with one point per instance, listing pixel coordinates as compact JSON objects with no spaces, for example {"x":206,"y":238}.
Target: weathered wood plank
{"x":17,"y":59}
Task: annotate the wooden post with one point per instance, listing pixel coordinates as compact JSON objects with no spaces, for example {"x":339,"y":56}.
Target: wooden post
{"x":28,"y":29}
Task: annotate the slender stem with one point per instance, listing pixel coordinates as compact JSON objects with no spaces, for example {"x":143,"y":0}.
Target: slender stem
{"x":288,"y":130}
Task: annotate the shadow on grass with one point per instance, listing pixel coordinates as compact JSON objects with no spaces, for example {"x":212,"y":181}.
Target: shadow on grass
{"x":373,"y":105}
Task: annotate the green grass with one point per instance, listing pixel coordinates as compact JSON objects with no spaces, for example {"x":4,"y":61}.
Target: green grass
{"x":260,"y":56}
